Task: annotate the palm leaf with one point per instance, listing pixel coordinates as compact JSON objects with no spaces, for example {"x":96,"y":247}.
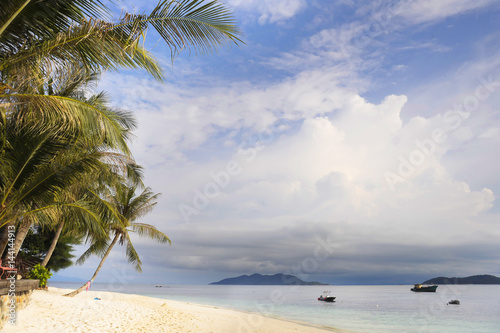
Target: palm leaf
{"x":132,"y":255}
{"x":98,"y":44}
{"x":150,"y":232}
{"x":140,"y":205}
{"x":93,"y":44}
{"x":97,"y":247}
{"x":196,"y":24}
{"x":48,"y":113}
{"x":22,"y":19}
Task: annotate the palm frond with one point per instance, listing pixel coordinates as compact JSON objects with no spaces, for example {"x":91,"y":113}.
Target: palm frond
{"x":132,"y":255}
{"x":41,"y":169}
{"x":80,"y":215}
{"x":150,"y":232}
{"x":97,"y":44}
{"x":23,"y":19}
{"x":142,"y":204}
{"x":98,"y":247}
{"x":197,"y":24}
{"x":92,"y":44}
{"x":48,"y":113}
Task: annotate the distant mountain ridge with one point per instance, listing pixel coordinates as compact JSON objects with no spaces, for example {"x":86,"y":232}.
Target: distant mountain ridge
{"x":267,"y":280}
{"x":475,"y":279}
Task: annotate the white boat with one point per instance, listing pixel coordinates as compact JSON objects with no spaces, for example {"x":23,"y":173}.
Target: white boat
{"x":325,"y":297}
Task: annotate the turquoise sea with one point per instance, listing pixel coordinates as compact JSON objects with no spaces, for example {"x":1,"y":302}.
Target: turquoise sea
{"x":357,"y":308}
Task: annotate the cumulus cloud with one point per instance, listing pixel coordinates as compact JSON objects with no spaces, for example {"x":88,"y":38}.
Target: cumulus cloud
{"x":194,"y":115}
{"x":256,"y":176}
{"x":326,"y":176}
{"x":313,"y":158}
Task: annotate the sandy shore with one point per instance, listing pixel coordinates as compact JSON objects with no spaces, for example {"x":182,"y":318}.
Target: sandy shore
{"x":49,"y":311}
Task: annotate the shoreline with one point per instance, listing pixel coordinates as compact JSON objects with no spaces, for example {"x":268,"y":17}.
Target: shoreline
{"x":121,"y":312}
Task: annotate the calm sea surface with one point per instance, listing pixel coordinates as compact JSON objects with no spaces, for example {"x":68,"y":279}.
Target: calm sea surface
{"x":357,"y":308}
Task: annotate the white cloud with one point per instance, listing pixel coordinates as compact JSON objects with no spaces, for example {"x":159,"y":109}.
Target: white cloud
{"x":320,"y":165}
{"x":324,"y":166}
{"x":331,"y":171}
{"x":400,"y":67}
{"x":194,"y":115}
{"x":421,"y":11}
{"x":432,"y":46}
{"x":270,"y":11}
{"x":364,"y":43}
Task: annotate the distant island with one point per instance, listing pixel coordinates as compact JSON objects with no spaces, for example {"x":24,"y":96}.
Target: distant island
{"x":269,"y":280}
{"x":476,"y":279}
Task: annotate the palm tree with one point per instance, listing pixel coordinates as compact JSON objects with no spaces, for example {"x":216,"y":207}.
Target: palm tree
{"x":53,"y":244}
{"x":29,"y":46}
{"x":36,"y":55}
{"x":35,"y":48}
{"x":50,"y":140}
{"x":91,"y":188}
{"x":41,"y":166}
{"x":21,"y":231}
{"x":21,"y":210}
{"x":130,"y":208}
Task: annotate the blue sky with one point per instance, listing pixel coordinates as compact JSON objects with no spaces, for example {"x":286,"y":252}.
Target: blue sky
{"x":345,"y":142}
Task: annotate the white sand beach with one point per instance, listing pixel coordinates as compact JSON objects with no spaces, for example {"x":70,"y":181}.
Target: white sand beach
{"x":49,"y":311}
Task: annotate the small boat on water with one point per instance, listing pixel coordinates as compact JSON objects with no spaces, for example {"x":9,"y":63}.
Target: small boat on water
{"x":454,"y":301}
{"x":325,"y":297}
{"x":421,"y":288}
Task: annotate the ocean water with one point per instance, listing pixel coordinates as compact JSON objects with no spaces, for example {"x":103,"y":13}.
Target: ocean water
{"x":357,"y":308}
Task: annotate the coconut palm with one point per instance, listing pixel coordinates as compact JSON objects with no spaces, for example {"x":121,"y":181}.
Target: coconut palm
{"x":91,"y":189}
{"x":103,"y":139}
{"x":41,"y":188}
{"x":50,"y":141}
{"x":130,"y":207}
{"x":36,"y":53}
{"x":29,"y":46}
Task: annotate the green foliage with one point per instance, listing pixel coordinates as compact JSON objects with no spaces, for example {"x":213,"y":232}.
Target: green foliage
{"x":53,"y":138}
{"x":38,"y":272}
{"x":61,"y":257}
{"x":130,"y":207}
{"x":34,"y":244}
{"x":38,"y":241}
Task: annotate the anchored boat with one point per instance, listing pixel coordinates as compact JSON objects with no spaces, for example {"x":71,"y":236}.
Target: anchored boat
{"x":325,"y":297}
{"x":421,"y":288}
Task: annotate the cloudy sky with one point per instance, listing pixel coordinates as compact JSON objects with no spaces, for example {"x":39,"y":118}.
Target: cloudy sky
{"x":344,"y":142}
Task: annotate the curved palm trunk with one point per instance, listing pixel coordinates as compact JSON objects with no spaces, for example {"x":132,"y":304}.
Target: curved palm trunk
{"x":22,"y":231}
{"x":4,"y":237}
{"x":79,"y":290}
{"x":53,"y":244}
